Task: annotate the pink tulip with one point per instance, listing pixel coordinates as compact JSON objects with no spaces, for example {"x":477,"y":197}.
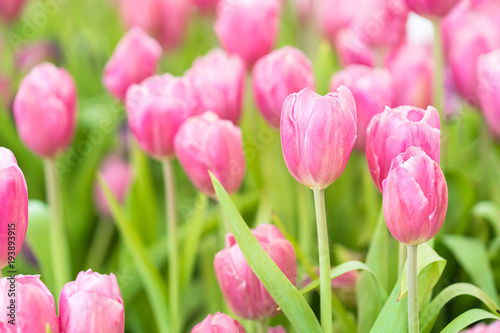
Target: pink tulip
{"x":242,"y":290}
{"x":317,"y":135}
{"x":415,"y":197}
{"x":45,"y":109}
{"x":277,"y":329}
{"x":118,"y":176}
{"x":134,"y":59}
{"x":494,"y":327}
{"x":207,"y":143}
{"x":92,"y":304}
{"x":393,"y":131}
{"x":218,"y":323}
{"x":488,"y":72}
{"x":206,"y":5}
{"x":218,"y":80}
{"x":248,"y":28}
{"x":13,"y":207}
{"x":372,"y":90}
{"x":277,"y":75}
{"x":432,"y":8}
{"x":33,"y":309}
{"x":11,"y":9}
{"x":156,"y":109}
{"x":166,"y":20}
{"x":412,"y":71}
{"x":352,"y":50}
{"x":345,"y":12}
{"x":32,"y":54}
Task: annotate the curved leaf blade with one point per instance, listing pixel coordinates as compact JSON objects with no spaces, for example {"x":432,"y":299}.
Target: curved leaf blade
{"x":467,"y":318}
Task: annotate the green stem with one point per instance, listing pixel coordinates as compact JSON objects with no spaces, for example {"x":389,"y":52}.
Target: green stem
{"x":100,"y":244}
{"x":262,"y":325}
{"x":173,"y":271}
{"x":412,"y":290}
{"x":306,"y":232}
{"x":438,"y":70}
{"x":401,"y":258}
{"x":59,"y":244}
{"x":324,"y":261}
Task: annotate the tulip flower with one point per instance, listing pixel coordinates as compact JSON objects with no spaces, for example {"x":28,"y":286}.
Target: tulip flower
{"x":156,"y":108}
{"x":345,"y":12}
{"x":488,"y":71}
{"x":248,"y":28}
{"x":352,"y":50}
{"x":14,"y":207}
{"x":318,"y":135}
{"x":483,"y":328}
{"x":218,"y":323}
{"x":207,"y":143}
{"x":218,"y":80}
{"x":372,"y":90}
{"x":134,"y":59}
{"x":33,"y":309}
{"x":431,"y":8}
{"x":92,"y":304}
{"x":165,"y":20}
{"x":412,"y":72}
{"x":45,"y":110}
{"x":11,"y":9}
{"x":242,"y":290}
{"x":277,"y":75}
{"x":277,"y":329}
{"x":393,"y":131}
{"x":206,"y":5}
{"x":118,"y":176}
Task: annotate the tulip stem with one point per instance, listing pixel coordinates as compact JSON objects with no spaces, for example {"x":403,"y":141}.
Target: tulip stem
{"x":438,"y":70}
{"x":61,"y":263}
{"x":412,"y":290}
{"x":100,"y":244}
{"x":173,"y":271}
{"x":263,"y":325}
{"x":401,"y":258}
{"x":324,"y":261}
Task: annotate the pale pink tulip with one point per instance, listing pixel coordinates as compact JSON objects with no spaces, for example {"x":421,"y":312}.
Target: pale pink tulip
{"x":218,"y":323}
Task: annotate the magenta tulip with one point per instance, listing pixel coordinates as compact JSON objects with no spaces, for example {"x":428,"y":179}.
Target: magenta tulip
{"x":11,"y":9}
{"x":156,"y":109}
{"x":242,"y":290}
{"x":415,"y":197}
{"x":92,"y":304}
{"x":412,"y":71}
{"x":317,"y":135}
{"x":248,"y":28}
{"x":13,"y":207}
{"x":393,"y":131}
{"x":489,"y":96}
{"x":277,"y":75}
{"x":218,"y":80}
{"x":207,"y":143}
{"x":117,"y":174}
{"x":218,"y":323}
{"x":33,"y":308}
{"x":45,"y":110}
{"x":134,"y":59}
{"x":372,"y":90}
{"x":431,"y":8}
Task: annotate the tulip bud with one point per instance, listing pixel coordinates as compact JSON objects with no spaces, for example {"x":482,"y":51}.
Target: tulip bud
{"x":206,"y":143}
{"x":134,"y":59}
{"x":277,"y":329}
{"x":415,"y":197}
{"x":488,"y":71}
{"x":218,"y":80}
{"x":432,"y":8}
{"x":156,"y":109}
{"x":118,"y":176}
{"x":372,"y":90}
{"x":248,"y":28}
{"x":412,"y":71}
{"x":393,"y":131}
{"x":14,"y":207}
{"x":317,"y":135}
{"x":277,"y":75}
{"x":34,"y":309}
{"x":218,"y":323}
{"x":11,"y":9}
{"x":242,"y":290}
{"x":45,"y":109}
{"x":92,"y":304}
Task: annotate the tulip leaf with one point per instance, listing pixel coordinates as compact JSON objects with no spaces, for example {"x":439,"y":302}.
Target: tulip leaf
{"x":430,"y":312}
{"x":473,"y":257}
{"x":150,"y":276}
{"x":488,"y":211}
{"x":467,"y":318}
{"x":289,"y":299}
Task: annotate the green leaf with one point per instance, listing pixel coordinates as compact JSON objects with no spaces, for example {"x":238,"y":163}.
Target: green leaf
{"x":467,"y":318}
{"x":150,"y":276}
{"x":488,"y":211}
{"x":430,"y":313}
{"x":473,"y":257}
{"x":285,"y":294}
